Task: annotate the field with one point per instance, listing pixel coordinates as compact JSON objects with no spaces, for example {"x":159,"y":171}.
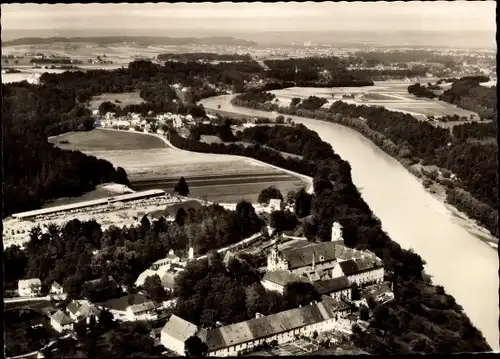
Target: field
{"x":151,"y":165}
{"x":104,"y":140}
{"x":392,"y":95}
{"x":127,"y":98}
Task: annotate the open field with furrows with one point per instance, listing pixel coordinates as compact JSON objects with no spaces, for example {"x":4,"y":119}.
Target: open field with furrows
{"x":104,"y":140}
{"x":392,"y":95}
{"x":151,"y":165}
{"x":119,"y":99}
{"x":171,"y":163}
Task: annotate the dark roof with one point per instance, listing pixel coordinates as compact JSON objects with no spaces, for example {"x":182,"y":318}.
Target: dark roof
{"x":73,"y":307}
{"x":377,"y":289}
{"x":283,"y":277}
{"x":303,"y":256}
{"x":352,"y":266}
{"x":332,"y":285}
{"x":123,"y":302}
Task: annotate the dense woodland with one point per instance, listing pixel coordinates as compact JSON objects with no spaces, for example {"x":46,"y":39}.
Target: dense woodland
{"x":421,"y":91}
{"x":418,"y":308}
{"x":66,"y":254}
{"x":469,"y":94}
{"x":404,"y":137}
{"x":34,"y":170}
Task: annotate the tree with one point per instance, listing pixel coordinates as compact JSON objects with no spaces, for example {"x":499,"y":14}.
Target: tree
{"x":303,"y":202}
{"x":364,"y":313}
{"x":154,"y":289}
{"x":180,"y":216}
{"x":300,"y":293}
{"x":195,"y":347}
{"x":283,"y":221}
{"x":269,"y":193}
{"x":181,"y":187}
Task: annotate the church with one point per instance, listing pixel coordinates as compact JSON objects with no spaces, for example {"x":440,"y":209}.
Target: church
{"x":330,"y":266}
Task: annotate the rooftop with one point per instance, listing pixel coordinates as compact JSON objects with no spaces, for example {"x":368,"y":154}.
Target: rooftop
{"x":332,"y":285}
{"x":27,"y":283}
{"x":122,"y":303}
{"x":283,"y":277}
{"x":142,"y":307}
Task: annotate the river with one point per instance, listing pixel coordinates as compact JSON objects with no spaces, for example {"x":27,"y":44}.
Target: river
{"x":456,"y":259}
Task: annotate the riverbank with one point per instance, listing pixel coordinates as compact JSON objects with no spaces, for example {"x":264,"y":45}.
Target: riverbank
{"x":434,"y":187}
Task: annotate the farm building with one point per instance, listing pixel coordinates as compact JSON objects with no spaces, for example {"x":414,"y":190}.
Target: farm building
{"x":236,"y":339}
{"x":142,"y":311}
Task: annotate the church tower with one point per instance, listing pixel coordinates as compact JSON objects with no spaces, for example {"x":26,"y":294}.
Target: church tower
{"x":191,"y":253}
{"x":337,"y":232}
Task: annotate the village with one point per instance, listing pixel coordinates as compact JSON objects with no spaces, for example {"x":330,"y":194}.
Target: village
{"x":349,"y":281}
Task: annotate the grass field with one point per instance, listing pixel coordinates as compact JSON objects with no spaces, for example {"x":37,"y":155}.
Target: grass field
{"x":127,"y":98}
{"x":104,"y":140}
{"x":151,"y":165}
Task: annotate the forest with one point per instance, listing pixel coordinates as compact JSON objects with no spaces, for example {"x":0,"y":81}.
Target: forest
{"x":410,"y":140}
{"x":470,"y":95}
{"x":34,"y":170}
{"x":419,"y":306}
{"x":421,"y":91}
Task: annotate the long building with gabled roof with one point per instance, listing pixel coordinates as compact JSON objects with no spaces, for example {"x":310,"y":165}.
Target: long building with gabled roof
{"x":238,"y":338}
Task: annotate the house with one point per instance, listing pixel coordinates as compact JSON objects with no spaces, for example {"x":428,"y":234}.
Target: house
{"x":82,"y":310}
{"x":239,"y":338}
{"x":61,"y":322}
{"x":275,"y":204}
{"x":381,"y":293}
{"x":169,"y":259}
{"x":142,"y":311}
{"x":118,"y":306}
{"x":277,"y":280}
{"x":29,"y":287}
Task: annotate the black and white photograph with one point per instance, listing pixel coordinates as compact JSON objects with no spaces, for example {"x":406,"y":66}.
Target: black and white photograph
{"x":249,"y":179}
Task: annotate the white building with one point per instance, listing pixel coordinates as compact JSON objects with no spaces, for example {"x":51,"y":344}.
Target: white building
{"x":143,"y":311}
{"x":61,"y":322}
{"x":82,"y":310}
{"x":56,"y":288}
{"x":275,"y":204}
{"x":239,"y":338}
{"x":29,"y":287}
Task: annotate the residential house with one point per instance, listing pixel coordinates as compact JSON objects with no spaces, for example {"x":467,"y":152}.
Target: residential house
{"x":338,"y":288}
{"x":29,"y":287}
{"x":381,"y":293}
{"x":61,"y":322}
{"x":239,"y":338}
{"x":142,"y":311}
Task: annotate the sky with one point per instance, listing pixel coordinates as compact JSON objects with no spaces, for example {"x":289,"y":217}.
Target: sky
{"x":255,"y":17}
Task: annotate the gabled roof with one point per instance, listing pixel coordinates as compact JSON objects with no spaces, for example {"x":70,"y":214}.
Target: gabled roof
{"x":56,"y":285}
{"x":332,"y":285}
{"x":87,"y":310}
{"x":352,"y":266}
{"x":73,"y":307}
{"x":136,"y":308}
{"x":301,"y":257}
{"x":283,"y":277}
{"x":377,"y":289}
{"x":178,"y":328}
{"x":61,"y":318}
{"x":28,"y":283}
{"x":266,"y":326}
{"x":122,"y":303}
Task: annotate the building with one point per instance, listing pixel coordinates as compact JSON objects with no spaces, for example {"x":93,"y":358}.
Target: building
{"x":239,"y":338}
{"x":118,"y":306}
{"x":381,"y":293}
{"x":29,"y":287}
{"x":275,"y":204}
{"x":142,"y":311}
{"x":337,"y":288}
{"x":169,"y":259}
{"x":82,"y":310}
{"x":324,"y":261}
{"x":61,"y":322}
{"x":277,"y":280}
